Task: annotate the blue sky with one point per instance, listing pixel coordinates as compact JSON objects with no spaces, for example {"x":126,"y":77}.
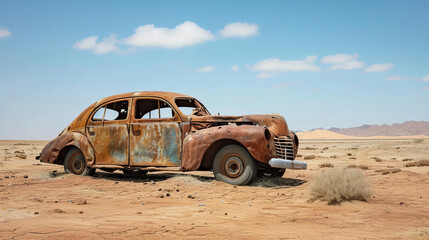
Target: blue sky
{"x":320,"y":64}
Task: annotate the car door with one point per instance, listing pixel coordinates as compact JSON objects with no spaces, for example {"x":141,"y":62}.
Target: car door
{"x":107,"y":130}
{"x":155,"y":133}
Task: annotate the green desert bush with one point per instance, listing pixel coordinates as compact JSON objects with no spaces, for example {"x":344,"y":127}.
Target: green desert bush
{"x":340,"y":184}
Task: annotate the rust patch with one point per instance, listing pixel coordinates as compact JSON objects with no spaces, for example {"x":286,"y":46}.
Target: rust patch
{"x":155,"y":144}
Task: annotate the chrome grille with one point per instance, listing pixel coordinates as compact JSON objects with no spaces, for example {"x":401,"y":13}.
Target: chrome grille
{"x":284,"y":147}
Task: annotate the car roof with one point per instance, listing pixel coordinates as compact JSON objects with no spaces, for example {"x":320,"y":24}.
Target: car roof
{"x":169,"y":96}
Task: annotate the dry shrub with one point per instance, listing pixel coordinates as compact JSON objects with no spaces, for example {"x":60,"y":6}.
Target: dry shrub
{"x":340,"y":184}
{"x":388,"y":171}
{"x":418,"y":140}
{"x":298,"y":155}
{"x":310,"y":157}
{"x":334,"y":156}
{"x":407,"y":159}
{"x":326,"y":165}
{"x":420,"y":163}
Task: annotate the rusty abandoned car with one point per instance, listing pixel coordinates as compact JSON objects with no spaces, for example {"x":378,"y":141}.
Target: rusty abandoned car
{"x":144,"y":131}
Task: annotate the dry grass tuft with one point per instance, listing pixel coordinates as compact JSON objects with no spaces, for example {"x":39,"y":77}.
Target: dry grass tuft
{"x":326,"y":165}
{"x":407,"y":159}
{"x":418,"y":140}
{"x":362,"y":167}
{"x":340,"y":184}
{"x":309,"y":157}
{"x":309,"y":148}
{"x":420,"y":163}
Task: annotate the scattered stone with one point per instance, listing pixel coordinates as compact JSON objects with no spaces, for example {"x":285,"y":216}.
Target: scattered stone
{"x":226,"y":214}
{"x":142,"y":203}
{"x":349,"y":154}
{"x":6,"y":176}
{"x":353,"y":158}
{"x":25,"y":176}
{"x":177,"y":190}
{"x":160,"y":195}
{"x":407,"y":159}
{"x":21,"y":155}
{"x":190,"y":196}
{"x":160,"y":189}
{"x":334,"y":156}
{"x":81,"y":212}
{"x":388,"y":171}
{"x":57,"y":210}
{"x":309,"y":148}
{"x":36,"y":213}
{"x":201,"y":205}
{"x":139,"y":213}
{"x":401,"y":203}
{"x":309,"y":157}
{"x":299,"y":155}
{"x":82,"y":202}
{"x":116,"y":182}
{"x":325,"y":148}
{"x":168,"y":194}
{"x":70,"y":200}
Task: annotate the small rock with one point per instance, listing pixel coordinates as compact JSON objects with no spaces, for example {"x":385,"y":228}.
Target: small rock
{"x":168,"y":194}
{"x":139,"y":212}
{"x":116,"y":182}
{"x":25,"y":176}
{"x":190,"y":196}
{"x":142,"y":203}
{"x":36,"y":213}
{"x":70,"y":200}
{"x":160,"y":189}
{"x":159,"y":195}
{"x":6,"y":176}
{"x":82,"y":202}
{"x":201,"y":205}
{"x":349,"y":154}
{"x":177,"y":190}
{"x":81,"y":212}
{"x":226,"y":214}
{"x":57,"y":210}
{"x":401,"y":203}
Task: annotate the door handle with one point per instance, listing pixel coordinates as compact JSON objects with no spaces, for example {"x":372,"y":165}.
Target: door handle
{"x":91,"y":133}
{"x":135,"y":131}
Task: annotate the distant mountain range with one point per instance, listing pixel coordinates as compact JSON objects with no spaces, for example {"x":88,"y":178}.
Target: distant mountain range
{"x":408,"y":128}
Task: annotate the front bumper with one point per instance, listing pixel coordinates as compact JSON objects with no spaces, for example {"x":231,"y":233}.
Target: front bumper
{"x":290,"y":164}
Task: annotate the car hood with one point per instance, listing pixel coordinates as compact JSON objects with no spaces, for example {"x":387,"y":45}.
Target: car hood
{"x":274,"y":122}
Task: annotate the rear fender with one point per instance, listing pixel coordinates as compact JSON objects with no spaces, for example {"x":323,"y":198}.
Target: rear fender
{"x":53,"y":149}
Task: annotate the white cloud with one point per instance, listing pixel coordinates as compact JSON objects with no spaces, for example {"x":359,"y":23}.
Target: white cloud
{"x":235,"y":68}
{"x":342,"y":61}
{"x":101,"y":47}
{"x":272,"y":67}
{"x":379,"y":67}
{"x":425,"y":78}
{"x":185,"y":34}
{"x":395,"y":78}
{"x":239,"y":29}
{"x":4,"y":32}
{"x":205,"y":69}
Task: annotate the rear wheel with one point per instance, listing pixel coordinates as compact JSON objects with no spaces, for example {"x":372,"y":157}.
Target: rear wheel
{"x":234,"y":165}
{"x":75,"y":163}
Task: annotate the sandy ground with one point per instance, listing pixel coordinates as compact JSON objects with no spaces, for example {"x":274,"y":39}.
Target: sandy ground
{"x":38,"y":203}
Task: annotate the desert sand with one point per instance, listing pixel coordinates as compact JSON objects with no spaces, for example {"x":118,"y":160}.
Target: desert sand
{"x":325,"y":134}
{"x":39,"y":201}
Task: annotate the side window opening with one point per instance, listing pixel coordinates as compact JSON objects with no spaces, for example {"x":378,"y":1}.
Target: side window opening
{"x":191,"y":107}
{"x":112,"y":111}
{"x":152,"y":109}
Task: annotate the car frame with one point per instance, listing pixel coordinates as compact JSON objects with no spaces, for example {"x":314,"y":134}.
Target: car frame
{"x":130,"y":132}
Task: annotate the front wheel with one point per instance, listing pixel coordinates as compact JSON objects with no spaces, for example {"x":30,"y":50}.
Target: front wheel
{"x":233,"y":164}
{"x":75,"y":163}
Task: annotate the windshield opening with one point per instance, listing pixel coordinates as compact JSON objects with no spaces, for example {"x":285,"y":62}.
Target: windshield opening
{"x":191,"y":106}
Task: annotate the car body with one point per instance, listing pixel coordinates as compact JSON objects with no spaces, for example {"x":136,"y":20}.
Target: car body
{"x":138,"y":131}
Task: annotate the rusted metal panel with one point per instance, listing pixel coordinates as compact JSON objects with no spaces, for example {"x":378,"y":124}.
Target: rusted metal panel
{"x":110,"y":143}
{"x":155,"y":144}
{"x":50,"y":152}
{"x":274,"y":122}
{"x":251,"y":137}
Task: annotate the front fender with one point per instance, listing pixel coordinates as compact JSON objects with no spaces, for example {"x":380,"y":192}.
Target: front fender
{"x":51,"y":151}
{"x":196,"y":144}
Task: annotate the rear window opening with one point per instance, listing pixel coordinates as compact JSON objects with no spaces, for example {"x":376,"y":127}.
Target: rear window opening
{"x":191,"y":107}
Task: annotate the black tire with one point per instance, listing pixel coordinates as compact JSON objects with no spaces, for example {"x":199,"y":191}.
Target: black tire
{"x":234,"y":165}
{"x":134,"y":173}
{"x":75,"y":163}
{"x":273,"y":172}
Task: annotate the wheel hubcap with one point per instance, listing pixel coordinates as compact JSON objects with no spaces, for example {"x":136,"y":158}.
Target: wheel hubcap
{"x":77,"y":165}
{"x":234,"y":167}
